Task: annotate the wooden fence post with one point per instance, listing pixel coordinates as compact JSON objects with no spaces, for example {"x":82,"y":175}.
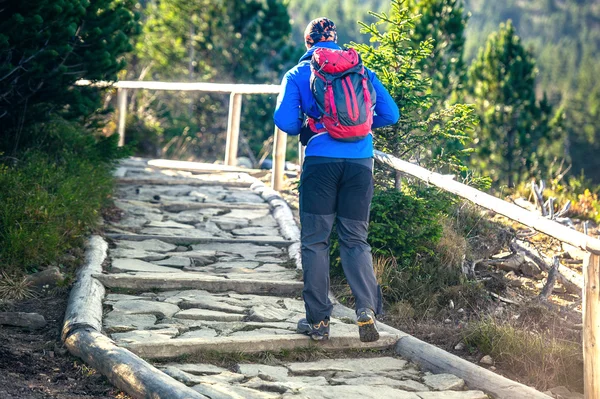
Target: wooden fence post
{"x":122,"y":107}
{"x":301,"y":150}
{"x":591,"y":326}
{"x":279,"y":147}
{"x":233,"y":128}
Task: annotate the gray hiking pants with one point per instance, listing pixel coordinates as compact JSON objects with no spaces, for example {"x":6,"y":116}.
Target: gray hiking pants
{"x":336,"y":189}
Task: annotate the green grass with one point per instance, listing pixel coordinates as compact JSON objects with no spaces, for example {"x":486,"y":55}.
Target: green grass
{"x":48,"y":207}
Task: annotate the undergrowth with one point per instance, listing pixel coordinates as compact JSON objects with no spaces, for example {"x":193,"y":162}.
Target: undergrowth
{"x":52,"y":196}
{"x":537,"y":357}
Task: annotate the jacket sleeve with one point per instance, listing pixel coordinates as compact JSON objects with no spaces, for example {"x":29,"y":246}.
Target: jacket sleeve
{"x":386,"y":110}
{"x":287,"y":111}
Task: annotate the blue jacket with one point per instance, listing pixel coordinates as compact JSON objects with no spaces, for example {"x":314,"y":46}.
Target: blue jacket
{"x":296,"y":99}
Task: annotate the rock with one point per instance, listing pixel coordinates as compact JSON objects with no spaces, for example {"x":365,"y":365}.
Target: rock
{"x":123,"y":322}
{"x":205,"y":314}
{"x":375,"y":365}
{"x":350,"y":391}
{"x":202,"y":333}
{"x":151,"y":245}
{"x":492,"y":368}
{"x":244,"y":162}
{"x":406,"y":385}
{"x":198,"y":369}
{"x":31,"y":321}
{"x":145,"y":335}
{"x":263,"y":313}
{"x":181,"y":376}
{"x":453,"y":395}
{"x":178,"y":262}
{"x":460,"y":346}
{"x":51,"y":277}
{"x":137,"y":265}
{"x":211,"y":304}
{"x":159,"y":309}
{"x":487,"y":360}
{"x":222,"y":391}
{"x":169,"y":224}
{"x":444,"y":382}
{"x":136,"y":254}
{"x":253,"y":231}
{"x":273,"y":373}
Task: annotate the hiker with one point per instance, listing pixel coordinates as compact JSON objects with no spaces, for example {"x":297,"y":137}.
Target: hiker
{"x":333,"y":102}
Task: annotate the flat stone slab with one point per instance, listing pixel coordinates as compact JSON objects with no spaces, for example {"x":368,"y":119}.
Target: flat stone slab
{"x":197,"y":369}
{"x":137,"y":265}
{"x":371,"y":365}
{"x":189,"y":280}
{"x":453,"y":395}
{"x":405,"y":385}
{"x":211,"y":315}
{"x":444,"y":382}
{"x":145,"y":335}
{"x":348,"y":391}
{"x":169,"y":224}
{"x":123,"y":322}
{"x":178,"y":262}
{"x":179,"y":346}
{"x":156,"y":308}
{"x":149,"y":245}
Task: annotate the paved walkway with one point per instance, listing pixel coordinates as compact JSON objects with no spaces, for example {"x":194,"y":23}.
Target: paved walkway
{"x":198,"y":263}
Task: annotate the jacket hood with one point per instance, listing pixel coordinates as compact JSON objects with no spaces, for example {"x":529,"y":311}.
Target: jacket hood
{"x":310,"y":51}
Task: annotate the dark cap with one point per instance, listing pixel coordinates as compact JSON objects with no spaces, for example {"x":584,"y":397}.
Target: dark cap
{"x":320,"y":30}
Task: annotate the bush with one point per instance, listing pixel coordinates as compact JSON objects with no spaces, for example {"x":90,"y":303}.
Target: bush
{"x":52,"y":199}
{"x":410,"y":260}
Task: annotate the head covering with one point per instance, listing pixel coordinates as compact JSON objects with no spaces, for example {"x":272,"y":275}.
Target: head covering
{"x":320,"y":30}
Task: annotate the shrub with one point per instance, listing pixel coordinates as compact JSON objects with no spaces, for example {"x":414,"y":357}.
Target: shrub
{"x":51,"y":200}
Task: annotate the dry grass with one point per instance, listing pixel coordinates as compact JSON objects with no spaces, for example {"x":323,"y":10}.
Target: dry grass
{"x":537,"y":358}
{"x":15,"y":288}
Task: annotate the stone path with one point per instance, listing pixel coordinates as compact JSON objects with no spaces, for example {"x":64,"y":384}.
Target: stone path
{"x":198,"y":263}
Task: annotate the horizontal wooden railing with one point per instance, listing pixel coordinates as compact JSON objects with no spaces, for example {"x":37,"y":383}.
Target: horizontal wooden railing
{"x":591,"y":263}
{"x":233,"y":121}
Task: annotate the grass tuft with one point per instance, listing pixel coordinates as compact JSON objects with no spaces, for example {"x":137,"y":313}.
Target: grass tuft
{"x":15,"y":288}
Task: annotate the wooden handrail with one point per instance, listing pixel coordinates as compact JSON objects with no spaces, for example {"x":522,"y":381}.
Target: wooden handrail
{"x":492,"y":203}
{"x":233,"y":120}
{"x":591,"y":263}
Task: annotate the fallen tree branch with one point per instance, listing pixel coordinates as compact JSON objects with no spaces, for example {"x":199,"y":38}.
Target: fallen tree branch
{"x":552,"y":276}
{"x":571,"y":280}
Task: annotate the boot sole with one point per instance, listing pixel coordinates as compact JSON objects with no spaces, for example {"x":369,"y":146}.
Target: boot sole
{"x":367,"y":331}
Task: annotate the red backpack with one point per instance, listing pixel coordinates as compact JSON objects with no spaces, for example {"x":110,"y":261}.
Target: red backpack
{"x":343,"y":92}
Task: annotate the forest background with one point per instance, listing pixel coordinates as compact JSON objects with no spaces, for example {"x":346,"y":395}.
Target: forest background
{"x":496,"y":93}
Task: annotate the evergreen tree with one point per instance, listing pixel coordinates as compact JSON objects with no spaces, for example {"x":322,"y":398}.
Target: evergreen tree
{"x":396,"y":60}
{"x":45,"y":46}
{"x":512,"y":139}
{"x":443,"y":21}
{"x":223,"y":41}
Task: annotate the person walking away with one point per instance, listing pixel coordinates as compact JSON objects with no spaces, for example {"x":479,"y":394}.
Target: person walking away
{"x":332,"y":101}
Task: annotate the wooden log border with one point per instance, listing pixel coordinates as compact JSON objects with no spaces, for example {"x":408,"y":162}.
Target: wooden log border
{"x":83,"y":338}
{"x":284,"y":217}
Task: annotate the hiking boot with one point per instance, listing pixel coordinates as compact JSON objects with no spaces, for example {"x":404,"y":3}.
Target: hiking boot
{"x":317,"y":332}
{"x":367,"y":325}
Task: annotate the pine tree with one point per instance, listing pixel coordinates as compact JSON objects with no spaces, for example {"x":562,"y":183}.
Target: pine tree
{"x":396,"y":59}
{"x":443,"y":21}
{"x":45,"y":46}
{"x":224,"y":41}
{"x":512,"y":139}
